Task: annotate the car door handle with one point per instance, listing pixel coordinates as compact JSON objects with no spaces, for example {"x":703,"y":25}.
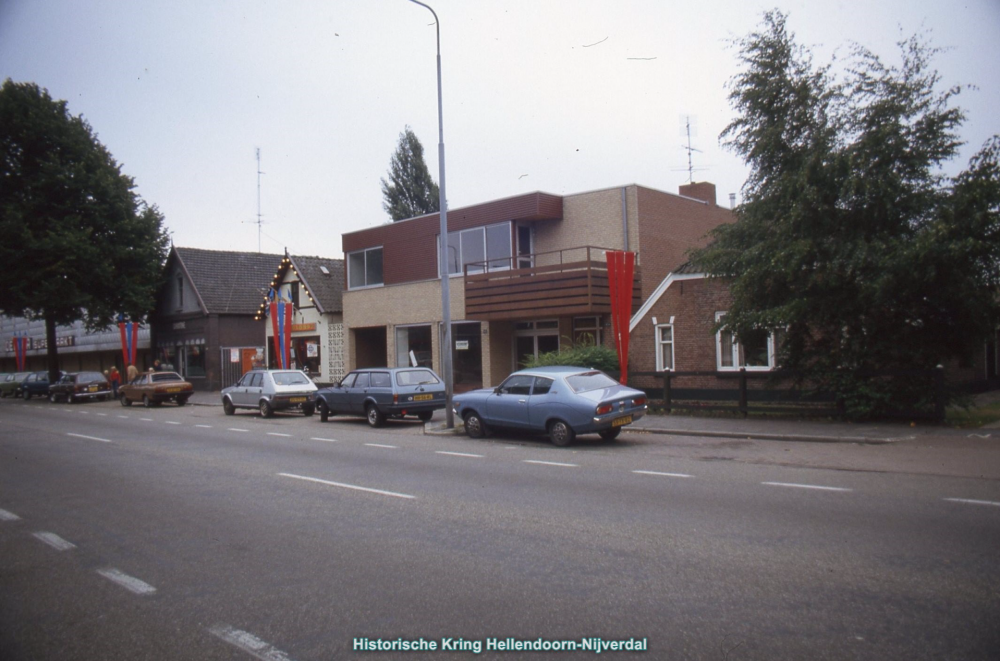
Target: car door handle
{"x":522,"y":401}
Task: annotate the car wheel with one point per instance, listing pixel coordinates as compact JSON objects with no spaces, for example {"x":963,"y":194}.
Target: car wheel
{"x":53,"y":398}
{"x":26,"y":395}
{"x":561,"y":434}
{"x":375,"y":417}
{"x":125,"y":400}
{"x":474,"y":426}
{"x":70,"y":399}
{"x":181,"y":401}
{"x":146,"y":402}
{"x":308,"y":410}
{"x":610,"y":434}
{"x":265,"y":409}
{"x":425,"y":416}
{"x":324,"y":411}
{"x":227,"y":407}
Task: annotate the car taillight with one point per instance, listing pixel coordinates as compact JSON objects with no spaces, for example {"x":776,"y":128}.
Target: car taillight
{"x":604,"y":408}
{"x":395,"y":399}
{"x":639,"y":401}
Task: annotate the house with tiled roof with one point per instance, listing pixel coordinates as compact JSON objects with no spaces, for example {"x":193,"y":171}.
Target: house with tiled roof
{"x":204,"y":322}
{"x":314,"y":286}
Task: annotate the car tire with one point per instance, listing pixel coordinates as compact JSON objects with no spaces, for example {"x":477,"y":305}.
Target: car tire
{"x":324,"y":411}
{"x":125,"y":400}
{"x":560,"y":433}
{"x":308,"y":410}
{"x":474,"y":426}
{"x":227,"y":407}
{"x":147,"y":402}
{"x":181,"y":401}
{"x":53,"y":398}
{"x":26,"y":395}
{"x":70,"y":399}
{"x":425,"y":416}
{"x":610,"y":434}
{"x":265,"y":409}
{"x":375,"y":417}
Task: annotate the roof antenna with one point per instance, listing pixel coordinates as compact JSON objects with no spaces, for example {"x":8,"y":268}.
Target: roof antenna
{"x":259,"y":221}
{"x":689,"y":127}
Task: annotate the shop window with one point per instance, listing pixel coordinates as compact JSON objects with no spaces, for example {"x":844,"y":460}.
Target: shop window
{"x":364,"y":268}
{"x":307,"y":353}
{"x":413,"y":346}
{"x":195,"y":363}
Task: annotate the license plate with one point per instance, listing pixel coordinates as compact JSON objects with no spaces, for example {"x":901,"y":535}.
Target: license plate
{"x":618,"y":422}
{"x":422,"y":398}
{"x":298,"y":400}
{"x":92,"y":388}
{"x":173,"y":389}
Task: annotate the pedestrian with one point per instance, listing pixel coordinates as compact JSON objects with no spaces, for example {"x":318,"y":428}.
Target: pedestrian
{"x":156,"y":366}
{"x":132,"y":372}
{"x":115,"y":378}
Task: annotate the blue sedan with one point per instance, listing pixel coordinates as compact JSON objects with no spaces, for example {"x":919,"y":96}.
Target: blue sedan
{"x":559,"y":401}
{"x":383,"y":392}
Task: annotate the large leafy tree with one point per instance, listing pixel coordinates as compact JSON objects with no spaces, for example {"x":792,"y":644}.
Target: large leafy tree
{"x":410,"y":191}
{"x":850,"y":240}
{"x":78,"y":242}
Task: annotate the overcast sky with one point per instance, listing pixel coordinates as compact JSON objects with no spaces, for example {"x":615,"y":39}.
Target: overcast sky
{"x":560,"y":97}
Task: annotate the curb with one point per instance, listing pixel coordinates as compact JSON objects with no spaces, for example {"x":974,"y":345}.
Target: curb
{"x":761,"y":436}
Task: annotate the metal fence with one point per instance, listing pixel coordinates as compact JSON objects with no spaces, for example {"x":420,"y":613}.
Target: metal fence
{"x":232,"y":371}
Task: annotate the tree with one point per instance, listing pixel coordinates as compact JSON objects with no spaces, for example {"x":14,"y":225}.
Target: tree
{"x":78,"y":243}
{"x":410,"y":190}
{"x":850,"y":241}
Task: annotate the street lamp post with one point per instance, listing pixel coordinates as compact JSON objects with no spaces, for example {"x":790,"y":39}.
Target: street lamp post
{"x":446,"y":365}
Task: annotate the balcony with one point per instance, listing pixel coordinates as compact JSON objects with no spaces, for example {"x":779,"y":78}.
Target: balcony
{"x":573,"y":281}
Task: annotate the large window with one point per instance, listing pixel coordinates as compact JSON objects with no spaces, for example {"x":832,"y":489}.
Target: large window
{"x":477,"y":247}
{"x":364,"y":268}
{"x":413,"y":346}
{"x":587,"y":330}
{"x":664,"y":347}
{"x":754,"y":352}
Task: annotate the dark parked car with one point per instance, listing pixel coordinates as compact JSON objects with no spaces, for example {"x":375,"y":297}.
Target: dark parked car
{"x":270,"y":391}
{"x":154,"y":388}
{"x":80,"y":385}
{"x":36,"y":384}
{"x":559,"y":401}
{"x":384,"y":392}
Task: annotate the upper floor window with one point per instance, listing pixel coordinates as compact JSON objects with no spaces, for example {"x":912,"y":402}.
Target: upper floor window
{"x":180,"y":292}
{"x":478,"y":247}
{"x":755,"y":351}
{"x":364,"y":268}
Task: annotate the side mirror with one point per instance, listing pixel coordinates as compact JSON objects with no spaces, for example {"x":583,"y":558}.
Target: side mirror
{"x":497,"y":391}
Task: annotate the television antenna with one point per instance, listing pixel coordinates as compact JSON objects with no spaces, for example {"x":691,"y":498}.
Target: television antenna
{"x":689,"y":127}
{"x":259,"y":220}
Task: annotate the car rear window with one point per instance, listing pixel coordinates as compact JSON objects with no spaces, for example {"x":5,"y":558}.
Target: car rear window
{"x":590,"y":381}
{"x":166,"y":376}
{"x":416,"y":377}
{"x":290,"y":378}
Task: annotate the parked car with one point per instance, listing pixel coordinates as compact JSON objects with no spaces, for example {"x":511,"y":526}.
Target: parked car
{"x":560,"y":401}
{"x":37,"y":384}
{"x":80,"y":385}
{"x":384,"y":392}
{"x":154,"y":388}
{"x":10,"y":385}
{"x":270,"y":391}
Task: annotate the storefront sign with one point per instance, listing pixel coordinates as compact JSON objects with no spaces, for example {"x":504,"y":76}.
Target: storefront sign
{"x":43,"y":343}
{"x":234,"y":355}
{"x":461,"y":345}
{"x":303,"y":328}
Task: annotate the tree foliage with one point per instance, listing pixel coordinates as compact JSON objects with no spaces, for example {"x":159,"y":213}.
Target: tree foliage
{"x":78,"y":242}
{"x":410,"y":190}
{"x":850,"y":240}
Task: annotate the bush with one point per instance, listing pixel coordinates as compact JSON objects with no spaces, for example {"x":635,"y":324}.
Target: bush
{"x":582,"y":354}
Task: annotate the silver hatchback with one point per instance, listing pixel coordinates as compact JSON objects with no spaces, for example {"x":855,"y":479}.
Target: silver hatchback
{"x":269,"y":391}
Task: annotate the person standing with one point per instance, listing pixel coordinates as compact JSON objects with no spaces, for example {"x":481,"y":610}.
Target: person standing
{"x":115,"y":378}
{"x":132,"y":372}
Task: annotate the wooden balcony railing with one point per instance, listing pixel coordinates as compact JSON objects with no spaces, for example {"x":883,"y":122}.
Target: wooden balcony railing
{"x":573,"y":281}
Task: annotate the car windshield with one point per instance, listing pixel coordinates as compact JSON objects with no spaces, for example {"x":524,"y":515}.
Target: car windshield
{"x":415,"y":377}
{"x":290,"y":379}
{"x":590,"y":381}
{"x":166,"y":376}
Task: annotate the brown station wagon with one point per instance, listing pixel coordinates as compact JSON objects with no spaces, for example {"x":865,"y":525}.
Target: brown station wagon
{"x":154,"y":388}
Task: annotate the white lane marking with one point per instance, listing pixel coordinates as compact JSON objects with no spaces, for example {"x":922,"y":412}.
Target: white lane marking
{"x":8,"y":516}
{"x":84,"y":412}
{"x":804,"y":486}
{"x":103,"y":415}
{"x":967,"y":501}
{"x":328,"y":440}
{"x":54,"y":540}
{"x":549,"y":463}
{"x":979,"y":436}
{"x":273,"y":433}
{"x":663,"y":474}
{"x":123,"y":417}
{"x":204,"y":426}
{"x":146,"y":419}
{"x":379,"y":445}
{"x":130,"y":583}
{"x":458,"y":454}
{"x":347,"y":486}
{"x":235,"y":429}
{"x":89,"y":438}
{"x":249,"y":643}
{"x":171,"y":422}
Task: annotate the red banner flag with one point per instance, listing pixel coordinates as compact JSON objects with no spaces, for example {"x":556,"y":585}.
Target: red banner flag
{"x":621,"y":275}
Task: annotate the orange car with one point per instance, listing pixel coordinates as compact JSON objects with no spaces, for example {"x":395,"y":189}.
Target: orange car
{"x":154,"y":388}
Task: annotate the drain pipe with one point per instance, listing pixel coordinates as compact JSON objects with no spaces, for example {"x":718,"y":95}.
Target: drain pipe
{"x":624,"y":219}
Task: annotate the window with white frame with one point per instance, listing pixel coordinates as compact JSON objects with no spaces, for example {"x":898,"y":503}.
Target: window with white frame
{"x":664,"y":347}
{"x":587,"y":330}
{"x":479,"y":247}
{"x":364,"y":268}
{"x":755,"y":352}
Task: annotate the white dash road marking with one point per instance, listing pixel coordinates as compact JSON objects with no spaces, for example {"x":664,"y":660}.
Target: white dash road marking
{"x":8,"y":516}
{"x":326,"y":440}
{"x":55,"y":541}
{"x":103,"y":415}
{"x":171,"y":422}
{"x":348,"y":486}
{"x":123,"y":417}
{"x":549,"y":463}
{"x":379,"y":445}
{"x":458,"y":454}
{"x":235,"y":429}
{"x":204,"y":426}
{"x":146,"y":419}
{"x":90,"y":438}
{"x":804,"y":486}
{"x":130,"y":583}
{"x":249,"y":643}
{"x":663,"y":474}
{"x":274,"y":433}
{"x":972,"y":502}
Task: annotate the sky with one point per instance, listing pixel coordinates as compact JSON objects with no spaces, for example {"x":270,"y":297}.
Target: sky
{"x":540,"y":95}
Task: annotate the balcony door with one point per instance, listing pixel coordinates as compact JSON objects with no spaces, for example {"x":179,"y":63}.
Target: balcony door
{"x":525,"y":247}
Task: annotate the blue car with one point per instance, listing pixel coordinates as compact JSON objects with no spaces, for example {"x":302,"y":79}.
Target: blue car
{"x":559,"y":401}
{"x":384,"y":392}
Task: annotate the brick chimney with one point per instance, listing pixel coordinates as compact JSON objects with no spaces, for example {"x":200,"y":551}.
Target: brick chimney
{"x":699,"y":190}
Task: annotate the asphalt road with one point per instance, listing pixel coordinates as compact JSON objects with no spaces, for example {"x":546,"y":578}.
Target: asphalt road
{"x":181,"y":533}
